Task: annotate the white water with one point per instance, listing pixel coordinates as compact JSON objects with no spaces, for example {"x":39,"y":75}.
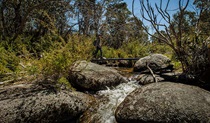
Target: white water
{"x":115,"y":96}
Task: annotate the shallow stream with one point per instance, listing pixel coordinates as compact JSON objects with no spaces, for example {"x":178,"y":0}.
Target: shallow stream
{"x":115,"y":97}
{"x":111,"y":98}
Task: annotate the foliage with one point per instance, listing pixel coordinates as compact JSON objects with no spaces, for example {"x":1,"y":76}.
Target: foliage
{"x":53,"y":59}
{"x":109,"y":52}
{"x":8,"y":61}
{"x":160,"y":48}
{"x":204,"y":7}
{"x":39,"y":20}
{"x":136,"y":49}
{"x":18,"y":17}
{"x":116,"y":16}
{"x":59,"y":58}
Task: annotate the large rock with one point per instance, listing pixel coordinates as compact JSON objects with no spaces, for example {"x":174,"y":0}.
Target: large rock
{"x":165,"y":102}
{"x":156,"y":62}
{"x":35,"y":104}
{"x":90,"y":76}
{"x":144,"y":79}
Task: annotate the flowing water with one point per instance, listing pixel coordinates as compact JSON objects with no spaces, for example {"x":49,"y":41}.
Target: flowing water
{"x":110,"y":98}
{"x":115,"y":97}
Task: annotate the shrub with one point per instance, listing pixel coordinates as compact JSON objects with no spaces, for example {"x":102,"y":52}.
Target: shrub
{"x":60,"y":57}
{"x":109,"y":52}
{"x":160,"y":48}
{"x":8,"y":61}
{"x":130,"y":49}
{"x":135,"y":49}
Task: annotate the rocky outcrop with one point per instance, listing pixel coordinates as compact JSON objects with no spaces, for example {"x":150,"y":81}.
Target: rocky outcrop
{"x":90,"y":76}
{"x":165,"y":102}
{"x":156,"y":62}
{"x":35,"y":104}
{"x":144,"y":79}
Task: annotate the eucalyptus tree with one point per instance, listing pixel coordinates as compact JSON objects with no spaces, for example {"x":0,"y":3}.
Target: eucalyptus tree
{"x":203,"y":6}
{"x":117,"y":15}
{"x":89,"y":14}
{"x":19,"y":16}
{"x":135,"y":31}
{"x":84,"y":11}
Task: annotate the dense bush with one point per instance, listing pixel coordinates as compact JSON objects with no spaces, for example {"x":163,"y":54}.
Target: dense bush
{"x":52,"y":56}
{"x":135,"y":49}
{"x":8,"y":61}
{"x":128,"y":50}
{"x":49,"y":56}
{"x":59,"y":58}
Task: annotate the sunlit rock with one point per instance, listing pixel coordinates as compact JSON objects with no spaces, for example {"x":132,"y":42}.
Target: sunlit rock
{"x":157,"y":62}
{"x":165,"y":102}
{"x":35,"y":104}
{"x":90,"y":76}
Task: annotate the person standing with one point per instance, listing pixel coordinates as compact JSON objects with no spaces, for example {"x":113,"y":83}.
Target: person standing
{"x":97,"y":43}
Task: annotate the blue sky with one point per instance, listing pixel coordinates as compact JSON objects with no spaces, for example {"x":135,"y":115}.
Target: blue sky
{"x":173,"y":5}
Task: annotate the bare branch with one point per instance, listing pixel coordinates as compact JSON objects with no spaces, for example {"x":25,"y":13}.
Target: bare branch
{"x":163,"y":14}
{"x":152,"y":18}
{"x":152,"y":73}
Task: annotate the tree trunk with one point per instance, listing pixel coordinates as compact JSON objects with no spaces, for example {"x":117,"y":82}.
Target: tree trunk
{"x":17,"y":19}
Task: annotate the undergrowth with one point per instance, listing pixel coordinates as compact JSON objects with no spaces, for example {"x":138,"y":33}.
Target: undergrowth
{"x":52,"y":56}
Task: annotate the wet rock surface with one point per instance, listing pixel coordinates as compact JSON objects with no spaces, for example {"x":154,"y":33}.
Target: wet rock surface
{"x":165,"y":102}
{"x":90,"y":76}
{"x":34,"y":103}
